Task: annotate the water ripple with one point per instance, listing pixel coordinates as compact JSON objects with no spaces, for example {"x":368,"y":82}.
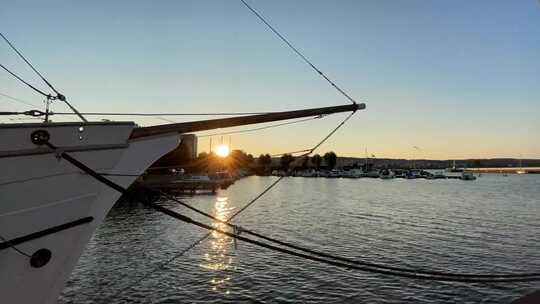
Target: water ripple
{"x":490,"y":225}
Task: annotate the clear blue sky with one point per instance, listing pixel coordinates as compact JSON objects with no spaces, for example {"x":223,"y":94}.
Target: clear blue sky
{"x":456,"y":78}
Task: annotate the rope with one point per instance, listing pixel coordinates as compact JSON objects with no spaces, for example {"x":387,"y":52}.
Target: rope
{"x":58,"y":95}
{"x":338,"y":261}
{"x":309,"y":151}
{"x":181,"y":253}
{"x":15,"y":248}
{"x":332,"y":132}
{"x":260,"y":128}
{"x":30,"y":65}
{"x":18,"y":100}
{"x":406,"y":273}
{"x":10,"y":113}
{"x":292,"y":47}
{"x":34,"y":113}
{"x":160,"y":114}
{"x":484,"y":279}
{"x":322,"y":254}
{"x":26,"y":83}
{"x":198,"y":241}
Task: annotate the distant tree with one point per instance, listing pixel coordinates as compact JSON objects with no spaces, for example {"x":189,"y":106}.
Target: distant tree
{"x":205,"y":162}
{"x":265,"y":160}
{"x":285,"y":161}
{"x":305,"y":161}
{"x":331,"y":159}
{"x":214,"y":162}
{"x":238,"y":159}
{"x":316,"y":160}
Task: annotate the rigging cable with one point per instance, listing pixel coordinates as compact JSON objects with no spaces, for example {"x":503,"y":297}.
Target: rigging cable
{"x":29,"y":64}
{"x":399,"y":272}
{"x":517,"y":278}
{"x":343,"y":259}
{"x":18,"y":100}
{"x":161,"y":114}
{"x":157,"y":115}
{"x":261,"y":128}
{"x":198,"y":241}
{"x":412,"y":275}
{"x":26,"y":83}
{"x":15,"y":248}
{"x":309,"y":151}
{"x":49,"y":96}
{"x":34,"y":113}
{"x":292,"y":47}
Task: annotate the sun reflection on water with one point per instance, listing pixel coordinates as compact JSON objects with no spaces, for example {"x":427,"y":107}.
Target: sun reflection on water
{"x":219,"y":259}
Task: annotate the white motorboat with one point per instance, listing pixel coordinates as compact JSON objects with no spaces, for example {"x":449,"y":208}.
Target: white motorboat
{"x":352,"y":173}
{"x":386,"y":174}
{"x":334,"y":173}
{"x":467,"y":176}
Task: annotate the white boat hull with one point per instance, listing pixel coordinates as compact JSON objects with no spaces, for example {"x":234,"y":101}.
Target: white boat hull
{"x":39,"y":191}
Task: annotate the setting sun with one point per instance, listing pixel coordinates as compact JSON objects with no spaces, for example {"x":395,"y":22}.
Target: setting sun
{"x":222,"y":150}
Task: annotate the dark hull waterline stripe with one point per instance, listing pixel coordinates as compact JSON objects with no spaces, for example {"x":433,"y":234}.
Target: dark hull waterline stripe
{"x":69,"y":149}
{"x":45,"y":232}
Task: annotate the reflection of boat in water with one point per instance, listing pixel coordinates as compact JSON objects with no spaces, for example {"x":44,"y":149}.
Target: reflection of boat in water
{"x":520,"y":170}
{"x":467,"y":176}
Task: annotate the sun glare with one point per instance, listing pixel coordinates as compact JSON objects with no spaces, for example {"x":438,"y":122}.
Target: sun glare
{"x":222,"y":150}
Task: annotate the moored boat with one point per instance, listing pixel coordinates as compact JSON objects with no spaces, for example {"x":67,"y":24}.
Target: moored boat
{"x":467,"y":176}
{"x":334,"y":173}
{"x":352,"y":173}
{"x":386,"y":174}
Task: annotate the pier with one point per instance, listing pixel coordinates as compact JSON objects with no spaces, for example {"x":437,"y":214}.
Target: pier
{"x":507,"y":170}
{"x":184,"y":183}
{"x":383,"y":174}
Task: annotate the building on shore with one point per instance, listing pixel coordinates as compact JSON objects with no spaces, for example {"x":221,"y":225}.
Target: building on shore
{"x":183,"y":154}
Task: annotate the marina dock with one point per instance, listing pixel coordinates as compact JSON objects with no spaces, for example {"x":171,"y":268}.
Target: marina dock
{"x":185,"y":184}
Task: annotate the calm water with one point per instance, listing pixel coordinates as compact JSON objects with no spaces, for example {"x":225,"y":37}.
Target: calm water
{"x":488,"y":225}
